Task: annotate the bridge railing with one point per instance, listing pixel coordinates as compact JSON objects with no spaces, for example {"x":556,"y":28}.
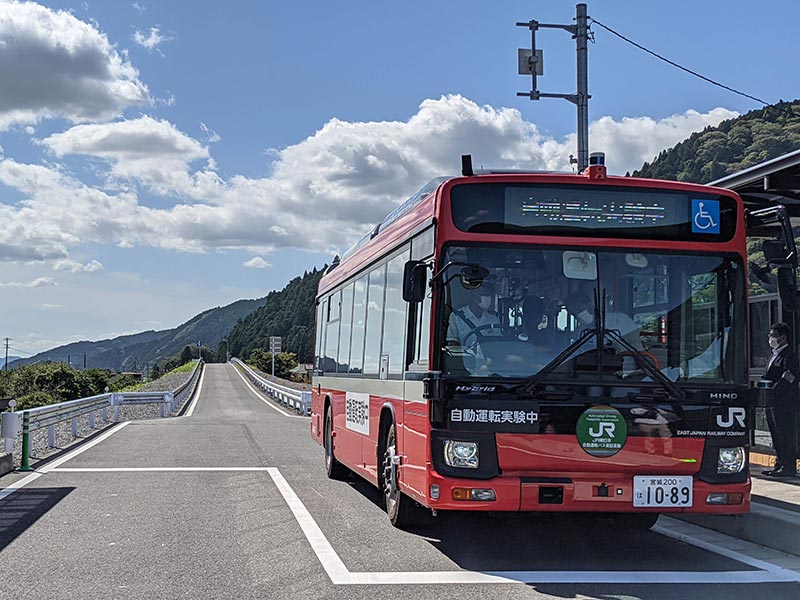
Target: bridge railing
{"x":26,"y":421}
{"x":298,"y":400}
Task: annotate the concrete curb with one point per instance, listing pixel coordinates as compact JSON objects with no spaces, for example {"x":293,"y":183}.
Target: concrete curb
{"x":6,"y":463}
{"x":765,"y":525}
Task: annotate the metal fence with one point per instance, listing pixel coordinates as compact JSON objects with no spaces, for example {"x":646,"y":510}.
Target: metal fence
{"x":298,"y":400}
{"x":24,"y":422}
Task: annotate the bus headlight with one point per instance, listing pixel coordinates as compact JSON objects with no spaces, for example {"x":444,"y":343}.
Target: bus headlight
{"x":731,"y":460}
{"x":461,"y":454}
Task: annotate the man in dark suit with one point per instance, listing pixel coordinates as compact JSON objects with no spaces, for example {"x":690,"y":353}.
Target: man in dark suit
{"x":783,"y":372}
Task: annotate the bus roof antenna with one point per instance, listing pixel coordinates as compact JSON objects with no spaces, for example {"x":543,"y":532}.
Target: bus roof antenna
{"x":466,"y":165}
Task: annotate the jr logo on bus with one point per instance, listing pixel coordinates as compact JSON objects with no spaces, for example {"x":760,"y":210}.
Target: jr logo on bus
{"x":601,"y":431}
{"x":736,"y":413}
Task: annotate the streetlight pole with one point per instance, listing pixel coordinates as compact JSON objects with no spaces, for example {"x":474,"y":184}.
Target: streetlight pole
{"x":531,"y":63}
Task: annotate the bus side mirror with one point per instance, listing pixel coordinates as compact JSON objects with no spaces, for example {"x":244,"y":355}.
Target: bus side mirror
{"x":415,"y":276}
{"x":775,"y":252}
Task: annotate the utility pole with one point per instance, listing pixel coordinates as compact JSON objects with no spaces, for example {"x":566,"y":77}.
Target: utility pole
{"x":531,"y":63}
{"x":5,"y":364}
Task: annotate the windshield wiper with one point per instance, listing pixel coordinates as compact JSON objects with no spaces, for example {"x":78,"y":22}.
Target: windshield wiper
{"x":645,"y":365}
{"x":601,"y":333}
{"x":532,"y":383}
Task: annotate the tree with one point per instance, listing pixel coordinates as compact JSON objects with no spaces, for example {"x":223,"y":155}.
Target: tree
{"x":186,"y":355}
{"x":155,"y":372}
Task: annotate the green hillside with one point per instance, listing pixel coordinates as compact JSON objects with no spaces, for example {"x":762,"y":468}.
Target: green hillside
{"x":288,"y":313}
{"x":733,"y":145}
{"x":136,"y":352}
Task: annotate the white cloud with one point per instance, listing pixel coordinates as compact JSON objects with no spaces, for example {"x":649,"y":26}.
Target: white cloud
{"x":38,"y":282}
{"x":149,"y":150}
{"x":138,"y":7}
{"x":54,"y":65}
{"x":73,"y":266}
{"x":51,"y":306}
{"x":152,"y":39}
{"x":256,"y":263}
{"x":210,"y":136}
{"x":341,"y":180}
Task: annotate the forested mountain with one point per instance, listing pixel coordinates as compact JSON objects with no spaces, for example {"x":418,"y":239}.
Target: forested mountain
{"x":288,"y":313}
{"x":138,"y":351}
{"x":733,"y":145}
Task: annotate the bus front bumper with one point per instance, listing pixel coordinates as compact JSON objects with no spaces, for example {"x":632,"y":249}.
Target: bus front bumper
{"x":575,"y":492}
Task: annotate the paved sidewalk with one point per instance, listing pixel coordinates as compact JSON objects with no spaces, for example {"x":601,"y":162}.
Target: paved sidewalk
{"x":774,"y":519}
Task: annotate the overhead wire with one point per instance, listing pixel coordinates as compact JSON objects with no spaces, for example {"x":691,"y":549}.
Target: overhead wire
{"x":690,"y":71}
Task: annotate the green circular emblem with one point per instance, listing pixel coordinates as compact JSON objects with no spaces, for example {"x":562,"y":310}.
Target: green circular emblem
{"x":601,"y":431}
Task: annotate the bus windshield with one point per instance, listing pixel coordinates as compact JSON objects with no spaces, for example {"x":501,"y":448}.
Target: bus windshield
{"x":683,"y":313}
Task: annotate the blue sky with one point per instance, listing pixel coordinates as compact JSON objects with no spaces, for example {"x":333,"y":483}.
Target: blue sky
{"x":161,"y":158}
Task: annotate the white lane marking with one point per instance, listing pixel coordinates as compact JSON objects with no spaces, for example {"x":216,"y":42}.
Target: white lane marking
{"x":19,"y":484}
{"x":683,"y":534}
{"x":60,"y":461}
{"x":264,"y":400}
{"x":83,"y":448}
{"x":190,"y":411}
{"x":153,"y":469}
{"x":340,"y":575}
{"x":333,"y":565}
{"x":563,"y":577}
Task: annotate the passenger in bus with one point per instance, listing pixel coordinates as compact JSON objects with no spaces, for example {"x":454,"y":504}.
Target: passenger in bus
{"x":579,"y":304}
{"x":475,"y":320}
{"x":532,"y":317}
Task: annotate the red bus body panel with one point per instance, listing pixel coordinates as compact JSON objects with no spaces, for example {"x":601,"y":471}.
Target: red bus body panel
{"x":527,"y":462}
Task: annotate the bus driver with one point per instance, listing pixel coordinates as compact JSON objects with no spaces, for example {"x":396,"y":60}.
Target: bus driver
{"x":475,"y":320}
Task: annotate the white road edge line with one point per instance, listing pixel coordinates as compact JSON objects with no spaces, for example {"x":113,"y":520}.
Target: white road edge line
{"x":154,"y":469}
{"x":190,"y":410}
{"x":729,"y":553}
{"x":5,"y":492}
{"x":264,"y":400}
{"x":330,"y":561}
{"x":340,"y":575}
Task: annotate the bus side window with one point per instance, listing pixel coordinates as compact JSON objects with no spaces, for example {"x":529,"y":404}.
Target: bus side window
{"x":372,"y":348}
{"x":394,"y":320}
{"x":359,"y":322}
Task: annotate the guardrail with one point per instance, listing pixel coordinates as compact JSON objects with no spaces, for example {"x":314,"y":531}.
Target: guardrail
{"x":24,"y":422}
{"x":298,"y":400}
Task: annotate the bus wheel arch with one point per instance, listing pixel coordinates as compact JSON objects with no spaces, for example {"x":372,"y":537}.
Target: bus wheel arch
{"x":333,"y":468}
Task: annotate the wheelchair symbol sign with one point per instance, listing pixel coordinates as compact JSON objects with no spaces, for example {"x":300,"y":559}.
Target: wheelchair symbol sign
{"x":705,"y":216}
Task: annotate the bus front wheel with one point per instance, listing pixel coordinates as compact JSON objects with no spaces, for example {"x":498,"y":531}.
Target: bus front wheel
{"x":403,"y":511}
{"x":333,"y":468}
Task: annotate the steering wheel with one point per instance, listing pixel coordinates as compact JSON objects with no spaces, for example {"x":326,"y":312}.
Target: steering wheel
{"x":476,"y":333}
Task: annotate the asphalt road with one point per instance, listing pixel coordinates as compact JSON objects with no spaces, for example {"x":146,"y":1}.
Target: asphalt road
{"x":232,"y":502}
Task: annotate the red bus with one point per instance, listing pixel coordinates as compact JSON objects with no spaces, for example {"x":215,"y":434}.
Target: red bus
{"x":541,"y":342}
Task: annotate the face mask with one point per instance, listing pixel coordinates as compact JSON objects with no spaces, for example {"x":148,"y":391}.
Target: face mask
{"x":485,"y":302}
{"x":773,"y":342}
{"x":586,"y":317}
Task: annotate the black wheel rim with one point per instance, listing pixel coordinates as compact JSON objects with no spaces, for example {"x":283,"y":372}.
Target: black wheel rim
{"x":389,"y":473}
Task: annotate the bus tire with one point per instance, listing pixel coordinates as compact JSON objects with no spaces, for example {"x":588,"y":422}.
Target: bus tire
{"x":403,"y":511}
{"x":333,"y":468}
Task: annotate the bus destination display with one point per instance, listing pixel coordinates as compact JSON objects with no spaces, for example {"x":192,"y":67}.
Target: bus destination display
{"x":529,"y":208}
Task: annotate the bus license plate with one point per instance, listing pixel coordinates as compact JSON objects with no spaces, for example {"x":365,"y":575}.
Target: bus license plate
{"x":662,"y":491}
